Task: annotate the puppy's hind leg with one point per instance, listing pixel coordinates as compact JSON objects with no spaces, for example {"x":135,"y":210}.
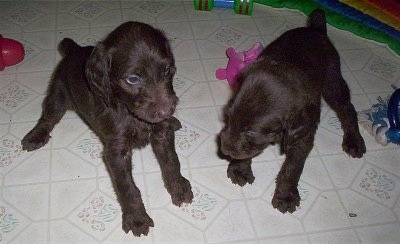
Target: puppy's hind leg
{"x":163,"y":143}
{"x":336,"y":93}
{"x":54,"y":107}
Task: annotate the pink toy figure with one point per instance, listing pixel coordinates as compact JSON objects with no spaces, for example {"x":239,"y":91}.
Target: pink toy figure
{"x":236,"y":62}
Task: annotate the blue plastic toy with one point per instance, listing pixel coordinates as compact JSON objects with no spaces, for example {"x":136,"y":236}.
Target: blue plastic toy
{"x":393,"y":133}
{"x":382,"y":119}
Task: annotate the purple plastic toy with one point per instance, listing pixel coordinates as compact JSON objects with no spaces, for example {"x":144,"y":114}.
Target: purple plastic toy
{"x":236,"y":62}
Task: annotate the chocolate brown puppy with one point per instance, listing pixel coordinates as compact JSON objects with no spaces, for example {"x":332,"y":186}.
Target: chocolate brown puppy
{"x":122,"y":88}
{"x":279,"y":101}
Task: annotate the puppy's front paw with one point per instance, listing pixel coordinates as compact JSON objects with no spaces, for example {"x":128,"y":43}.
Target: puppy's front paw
{"x":138,"y":222}
{"x":354,"y":145}
{"x":180,"y":191}
{"x":240,"y":174}
{"x":35,"y":140}
{"x":286,"y":201}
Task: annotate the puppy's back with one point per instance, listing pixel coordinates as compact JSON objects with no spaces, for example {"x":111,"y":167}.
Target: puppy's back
{"x":307,"y":48}
{"x":70,"y":71}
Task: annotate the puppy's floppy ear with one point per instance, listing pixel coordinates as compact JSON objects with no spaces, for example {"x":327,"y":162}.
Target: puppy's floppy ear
{"x":98,"y":72}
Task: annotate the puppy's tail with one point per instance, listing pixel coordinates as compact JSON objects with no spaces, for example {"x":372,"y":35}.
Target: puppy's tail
{"x":67,"y":46}
{"x":317,"y":20}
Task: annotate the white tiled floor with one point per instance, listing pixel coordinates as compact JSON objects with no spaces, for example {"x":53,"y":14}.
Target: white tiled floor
{"x":62,"y":193}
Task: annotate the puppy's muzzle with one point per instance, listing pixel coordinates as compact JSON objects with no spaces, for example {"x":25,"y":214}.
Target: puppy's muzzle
{"x":234,"y":147}
{"x":163,"y":109}
{"x":226,"y":146}
{"x":165,"y":112}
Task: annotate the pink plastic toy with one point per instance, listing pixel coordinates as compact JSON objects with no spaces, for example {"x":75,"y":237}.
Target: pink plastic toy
{"x":236,"y":62}
{"x":11,"y":52}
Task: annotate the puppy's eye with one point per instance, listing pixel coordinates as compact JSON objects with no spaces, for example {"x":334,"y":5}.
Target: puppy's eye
{"x":133,"y":79}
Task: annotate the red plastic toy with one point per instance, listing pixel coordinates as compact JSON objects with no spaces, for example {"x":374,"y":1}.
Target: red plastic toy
{"x":11,"y":52}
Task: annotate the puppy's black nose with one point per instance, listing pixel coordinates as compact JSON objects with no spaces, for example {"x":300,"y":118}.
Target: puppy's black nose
{"x":165,"y":112}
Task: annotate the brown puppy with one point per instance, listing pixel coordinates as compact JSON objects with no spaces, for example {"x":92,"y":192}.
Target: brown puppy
{"x":122,"y":89}
{"x":279,"y":101}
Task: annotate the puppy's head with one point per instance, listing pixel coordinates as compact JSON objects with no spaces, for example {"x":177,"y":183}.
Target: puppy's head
{"x":253,"y":118}
{"x":135,"y":66}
